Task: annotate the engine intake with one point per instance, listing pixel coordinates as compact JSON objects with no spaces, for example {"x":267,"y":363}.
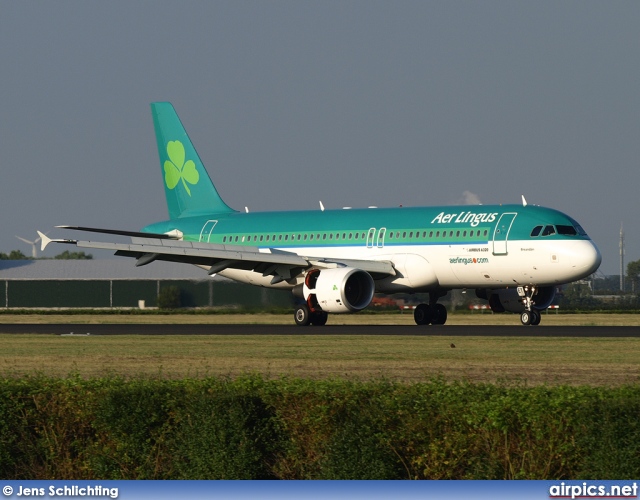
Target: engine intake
{"x":339,"y":290}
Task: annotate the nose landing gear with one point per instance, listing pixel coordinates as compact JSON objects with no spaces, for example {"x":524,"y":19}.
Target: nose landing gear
{"x":530,"y":316}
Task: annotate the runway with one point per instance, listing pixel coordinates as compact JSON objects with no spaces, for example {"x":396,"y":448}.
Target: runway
{"x":390,"y":330}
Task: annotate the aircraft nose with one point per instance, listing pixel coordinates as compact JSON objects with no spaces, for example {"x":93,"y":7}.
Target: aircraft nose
{"x":588,"y":259}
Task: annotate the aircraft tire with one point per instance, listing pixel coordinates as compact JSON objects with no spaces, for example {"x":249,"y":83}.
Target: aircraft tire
{"x":526,"y":318}
{"x":535,"y":317}
{"x":423,"y":314}
{"x":302,"y":315}
{"x":439,"y":315}
{"x":319,"y":318}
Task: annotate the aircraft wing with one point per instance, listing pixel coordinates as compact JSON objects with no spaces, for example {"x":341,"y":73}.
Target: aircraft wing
{"x":280,"y":264}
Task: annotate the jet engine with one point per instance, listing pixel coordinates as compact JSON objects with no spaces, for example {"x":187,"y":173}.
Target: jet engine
{"x":340,"y":290}
{"x":508,"y":299}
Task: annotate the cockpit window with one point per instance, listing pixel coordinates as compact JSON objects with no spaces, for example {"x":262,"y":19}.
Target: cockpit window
{"x":567,"y":230}
{"x":548,"y":231}
{"x":536,"y":231}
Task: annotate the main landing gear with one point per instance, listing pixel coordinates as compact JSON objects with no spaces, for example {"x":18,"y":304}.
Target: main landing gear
{"x":530,"y":316}
{"x":305,"y":317}
{"x":432,"y":313}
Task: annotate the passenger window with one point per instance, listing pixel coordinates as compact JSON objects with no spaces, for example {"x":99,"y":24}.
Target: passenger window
{"x":536,"y":231}
{"x":548,"y":231}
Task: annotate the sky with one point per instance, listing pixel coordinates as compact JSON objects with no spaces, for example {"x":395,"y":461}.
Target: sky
{"x":354,"y":103}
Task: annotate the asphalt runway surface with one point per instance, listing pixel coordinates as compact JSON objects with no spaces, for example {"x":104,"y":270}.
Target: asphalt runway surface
{"x":394,"y":330}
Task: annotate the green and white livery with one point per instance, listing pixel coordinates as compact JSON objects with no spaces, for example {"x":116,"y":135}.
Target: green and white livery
{"x":335,"y":260}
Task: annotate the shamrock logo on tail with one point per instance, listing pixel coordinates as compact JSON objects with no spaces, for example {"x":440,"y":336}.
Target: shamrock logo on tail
{"x":177,"y":170}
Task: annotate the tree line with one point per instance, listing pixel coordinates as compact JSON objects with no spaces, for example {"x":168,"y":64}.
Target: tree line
{"x":66,"y":255}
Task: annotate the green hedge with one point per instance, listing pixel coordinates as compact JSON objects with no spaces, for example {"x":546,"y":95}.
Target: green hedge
{"x":248,"y":428}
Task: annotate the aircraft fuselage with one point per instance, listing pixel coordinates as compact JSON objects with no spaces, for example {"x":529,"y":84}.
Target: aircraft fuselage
{"x":482,"y":246}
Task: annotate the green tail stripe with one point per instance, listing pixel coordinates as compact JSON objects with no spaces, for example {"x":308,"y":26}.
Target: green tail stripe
{"x":187,"y":185}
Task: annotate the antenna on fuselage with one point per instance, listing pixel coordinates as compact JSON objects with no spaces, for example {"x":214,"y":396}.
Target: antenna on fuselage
{"x":524,"y":201}
{"x":321,"y":206}
{"x":246,"y":209}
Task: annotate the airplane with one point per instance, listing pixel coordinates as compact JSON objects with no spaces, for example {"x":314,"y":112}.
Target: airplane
{"x":333,"y":261}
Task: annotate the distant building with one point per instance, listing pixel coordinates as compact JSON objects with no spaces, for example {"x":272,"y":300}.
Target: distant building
{"x":107,"y":283}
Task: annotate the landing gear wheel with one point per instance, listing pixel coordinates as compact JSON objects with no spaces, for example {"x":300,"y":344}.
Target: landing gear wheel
{"x":535,"y":317}
{"x":423,"y":314}
{"x":526,"y":318}
{"x":529,"y":316}
{"x":302,"y":315}
{"x":439,"y":315}
{"x":319,"y":318}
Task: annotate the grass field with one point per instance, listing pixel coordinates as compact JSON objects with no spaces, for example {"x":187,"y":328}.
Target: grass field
{"x":550,"y":319}
{"x":527,"y":359}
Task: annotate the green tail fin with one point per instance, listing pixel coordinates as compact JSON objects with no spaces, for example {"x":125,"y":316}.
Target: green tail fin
{"x":187,"y":184}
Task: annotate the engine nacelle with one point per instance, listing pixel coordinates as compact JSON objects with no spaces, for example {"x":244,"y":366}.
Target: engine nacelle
{"x":508,"y":299}
{"x":339,"y":290}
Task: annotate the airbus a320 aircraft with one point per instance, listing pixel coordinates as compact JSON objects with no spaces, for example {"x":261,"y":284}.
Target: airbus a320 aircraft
{"x":335,"y":260}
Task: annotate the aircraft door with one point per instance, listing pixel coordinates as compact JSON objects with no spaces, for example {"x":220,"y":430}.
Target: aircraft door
{"x":381,"y":234}
{"x":501,"y":233}
{"x":371,"y":237}
{"x":207,"y":229}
